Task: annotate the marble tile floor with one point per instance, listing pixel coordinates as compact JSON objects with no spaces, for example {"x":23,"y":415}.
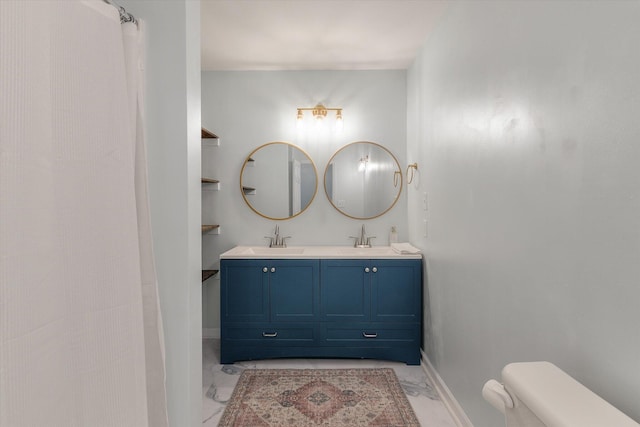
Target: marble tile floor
{"x":218,"y":382}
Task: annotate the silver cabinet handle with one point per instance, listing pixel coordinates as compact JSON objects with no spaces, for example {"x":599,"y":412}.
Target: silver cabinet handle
{"x":366,"y":335}
{"x":269,"y":334}
{"x":273,"y":269}
{"x":366,"y":269}
{"x":374,"y":269}
{"x":265,"y":269}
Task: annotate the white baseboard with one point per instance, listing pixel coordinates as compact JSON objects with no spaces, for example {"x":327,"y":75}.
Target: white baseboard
{"x":448,"y":399}
{"x":210,"y":333}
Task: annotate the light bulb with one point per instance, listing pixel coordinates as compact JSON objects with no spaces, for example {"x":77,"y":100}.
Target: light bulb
{"x":300,"y":120}
{"x":339,"y":121}
{"x":363,"y":164}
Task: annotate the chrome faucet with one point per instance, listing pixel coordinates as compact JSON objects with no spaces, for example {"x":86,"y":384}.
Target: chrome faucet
{"x":362,"y":241}
{"x":277,"y":241}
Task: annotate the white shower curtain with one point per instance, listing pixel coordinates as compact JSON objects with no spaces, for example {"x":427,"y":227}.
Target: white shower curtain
{"x":80,"y":330}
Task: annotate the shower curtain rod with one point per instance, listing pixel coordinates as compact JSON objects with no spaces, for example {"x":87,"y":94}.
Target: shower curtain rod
{"x":124,"y":15}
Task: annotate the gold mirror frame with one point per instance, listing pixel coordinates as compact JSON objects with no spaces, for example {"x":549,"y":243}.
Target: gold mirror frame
{"x":243,"y":189}
{"x":397,"y":176}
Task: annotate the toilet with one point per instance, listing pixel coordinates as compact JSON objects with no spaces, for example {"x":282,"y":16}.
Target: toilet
{"x":539,"y":394}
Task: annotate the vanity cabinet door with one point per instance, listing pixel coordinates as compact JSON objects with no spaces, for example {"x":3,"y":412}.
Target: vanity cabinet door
{"x":269,"y":290}
{"x":294,"y":290}
{"x":345,"y":291}
{"x":244,"y":291}
{"x":396,"y":291}
{"x":375,"y":290}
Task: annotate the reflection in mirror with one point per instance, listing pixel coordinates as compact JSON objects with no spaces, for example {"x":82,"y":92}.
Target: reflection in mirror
{"x":278,"y":180}
{"x":363,"y":180}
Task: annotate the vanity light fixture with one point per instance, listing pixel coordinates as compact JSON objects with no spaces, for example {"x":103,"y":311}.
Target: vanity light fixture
{"x":319,"y":112}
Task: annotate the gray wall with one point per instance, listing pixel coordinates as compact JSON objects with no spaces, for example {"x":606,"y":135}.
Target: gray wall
{"x":248,"y":109}
{"x":173,"y":151}
{"x":524,"y":120}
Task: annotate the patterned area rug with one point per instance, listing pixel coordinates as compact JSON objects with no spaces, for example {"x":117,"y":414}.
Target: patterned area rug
{"x":318,"y":397}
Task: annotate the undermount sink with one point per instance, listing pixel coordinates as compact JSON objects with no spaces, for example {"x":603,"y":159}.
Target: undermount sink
{"x":382,"y":250}
{"x":274,"y":251}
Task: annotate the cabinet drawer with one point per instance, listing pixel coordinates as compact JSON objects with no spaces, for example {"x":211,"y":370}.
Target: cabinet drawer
{"x":271,"y":334}
{"x":370,"y":334}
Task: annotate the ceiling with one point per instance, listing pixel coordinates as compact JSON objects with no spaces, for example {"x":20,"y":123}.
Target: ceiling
{"x":315,"y":34}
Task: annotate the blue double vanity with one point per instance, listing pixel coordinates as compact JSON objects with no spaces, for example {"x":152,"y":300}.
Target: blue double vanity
{"x":328,"y":302}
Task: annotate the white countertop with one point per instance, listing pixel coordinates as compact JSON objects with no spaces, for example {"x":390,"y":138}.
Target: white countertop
{"x":314,"y":252}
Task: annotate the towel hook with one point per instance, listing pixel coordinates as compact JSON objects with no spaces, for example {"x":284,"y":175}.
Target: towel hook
{"x":411,"y":168}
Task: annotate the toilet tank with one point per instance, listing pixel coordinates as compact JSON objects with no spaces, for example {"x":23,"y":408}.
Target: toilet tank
{"x":541,"y":394}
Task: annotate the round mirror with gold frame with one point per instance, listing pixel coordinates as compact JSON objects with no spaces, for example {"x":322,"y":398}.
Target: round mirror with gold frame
{"x":363,"y":180}
{"x":278,"y":180}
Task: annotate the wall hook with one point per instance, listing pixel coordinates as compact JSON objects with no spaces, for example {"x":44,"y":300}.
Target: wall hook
{"x":410,"y":171}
